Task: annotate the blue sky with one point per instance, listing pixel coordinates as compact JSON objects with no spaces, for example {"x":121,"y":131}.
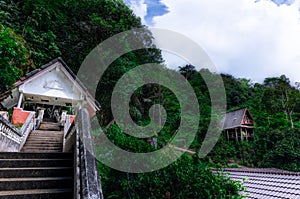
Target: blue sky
{"x":154,"y":8}
{"x":246,"y":38}
{"x":281,"y":2}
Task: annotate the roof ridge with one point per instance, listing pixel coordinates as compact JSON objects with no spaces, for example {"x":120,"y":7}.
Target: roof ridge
{"x":263,"y":171}
{"x":238,"y":109}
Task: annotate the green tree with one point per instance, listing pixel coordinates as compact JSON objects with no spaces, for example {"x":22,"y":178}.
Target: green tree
{"x":280,"y":95}
{"x":71,"y":29}
{"x":285,"y":153}
{"x":188,"y":177}
{"x":14,"y":56}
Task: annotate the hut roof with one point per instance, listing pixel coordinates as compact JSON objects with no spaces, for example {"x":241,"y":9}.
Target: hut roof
{"x":235,"y":118}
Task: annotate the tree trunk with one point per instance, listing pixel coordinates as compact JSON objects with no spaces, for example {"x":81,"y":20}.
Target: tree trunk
{"x":291,"y":120}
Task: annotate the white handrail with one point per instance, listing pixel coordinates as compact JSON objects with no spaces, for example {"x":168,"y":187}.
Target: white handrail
{"x":27,"y":127}
{"x":67,"y":124}
{"x":10,"y":136}
{"x":39,"y":119}
{"x":12,"y":139}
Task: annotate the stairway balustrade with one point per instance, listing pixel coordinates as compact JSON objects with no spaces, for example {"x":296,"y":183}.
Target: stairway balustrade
{"x":12,"y":139}
{"x":79,"y":138}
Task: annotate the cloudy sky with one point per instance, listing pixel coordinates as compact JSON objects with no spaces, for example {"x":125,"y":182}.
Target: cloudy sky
{"x":246,"y":38}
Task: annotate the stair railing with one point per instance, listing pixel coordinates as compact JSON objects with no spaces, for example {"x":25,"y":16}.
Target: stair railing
{"x":39,"y":118}
{"x":67,"y":124}
{"x":12,"y":139}
{"x":10,"y":136}
{"x":87,"y":183}
{"x":27,"y":127}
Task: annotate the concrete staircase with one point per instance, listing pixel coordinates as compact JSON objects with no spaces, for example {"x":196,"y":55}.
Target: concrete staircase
{"x":47,"y":139}
{"x":40,"y":170}
{"x":36,"y":175}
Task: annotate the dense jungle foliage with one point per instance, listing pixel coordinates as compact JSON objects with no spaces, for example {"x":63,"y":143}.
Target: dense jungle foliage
{"x":275,"y":106}
{"x":32,"y":33}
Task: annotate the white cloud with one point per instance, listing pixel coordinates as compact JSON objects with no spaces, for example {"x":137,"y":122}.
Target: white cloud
{"x":139,"y":8}
{"x":243,"y":38}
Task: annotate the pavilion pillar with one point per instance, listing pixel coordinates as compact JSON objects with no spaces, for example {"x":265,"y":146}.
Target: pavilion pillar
{"x":20,"y":100}
{"x":241,"y":132}
{"x":227,"y":135}
{"x":246,"y":134}
{"x":236,"y":135}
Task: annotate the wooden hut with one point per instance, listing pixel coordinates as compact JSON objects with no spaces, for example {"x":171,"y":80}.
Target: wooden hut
{"x":239,"y":125}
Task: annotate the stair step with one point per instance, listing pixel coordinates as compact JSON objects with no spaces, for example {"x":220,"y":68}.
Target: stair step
{"x":45,"y":151}
{"x":36,"y":175}
{"x":45,"y":131}
{"x":48,"y":134}
{"x":41,"y":150}
{"x":45,"y":145}
{"x":49,"y":126}
{"x":14,"y":163}
{"x":44,"y":140}
{"x":16,"y":155}
{"x":37,"y":193}
{"x":44,"y":136}
{"x":42,"y":147}
{"x":35,"y":183}
{"x":35,"y":172}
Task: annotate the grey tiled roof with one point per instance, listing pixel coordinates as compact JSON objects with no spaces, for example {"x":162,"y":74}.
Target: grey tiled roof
{"x":267,"y":183}
{"x":234,"y":118}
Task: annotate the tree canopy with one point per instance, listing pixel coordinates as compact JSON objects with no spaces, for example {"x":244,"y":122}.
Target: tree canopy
{"x":35,"y":32}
